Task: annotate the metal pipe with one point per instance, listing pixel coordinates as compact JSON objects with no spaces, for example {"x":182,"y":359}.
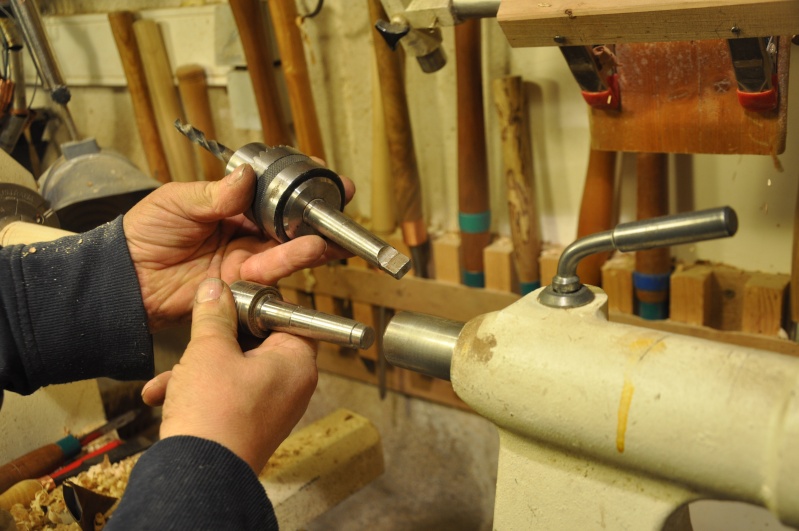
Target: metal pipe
{"x":465,"y":9}
{"x":421,"y":343}
{"x":566,"y":291}
{"x":261,"y":309}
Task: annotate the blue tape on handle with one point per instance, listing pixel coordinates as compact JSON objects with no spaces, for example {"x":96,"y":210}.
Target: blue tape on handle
{"x":474,"y":279}
{"x":648,"y":282}
{"x":529,"y":287}
{"x":475,"y":223}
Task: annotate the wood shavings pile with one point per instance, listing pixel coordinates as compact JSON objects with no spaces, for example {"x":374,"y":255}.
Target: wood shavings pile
{"x":48,"y":510}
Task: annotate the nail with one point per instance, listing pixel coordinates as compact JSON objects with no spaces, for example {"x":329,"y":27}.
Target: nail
{"x":152,"y":384}
{"x":237,"y":174}
{"x":210,"y":289}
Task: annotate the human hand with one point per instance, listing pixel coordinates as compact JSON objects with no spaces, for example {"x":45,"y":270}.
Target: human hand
{"x":184,"y":232}
{"x":246,"y":401}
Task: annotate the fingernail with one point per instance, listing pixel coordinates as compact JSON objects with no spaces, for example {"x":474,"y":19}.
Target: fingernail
{"x":149,"y":385}
{"x":210,"y":289}
{"x":237,"y":174}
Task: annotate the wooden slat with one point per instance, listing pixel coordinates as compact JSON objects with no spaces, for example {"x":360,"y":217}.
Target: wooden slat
{"x":691,"y":293}
{"x":459,"y":303}
{"x":764,"y":303}
{"x":500,"y":269}
{"x":447,"y":258}
{"x":617,"y":281}
{"x":681,"y":97}
{"x":529,"y":23}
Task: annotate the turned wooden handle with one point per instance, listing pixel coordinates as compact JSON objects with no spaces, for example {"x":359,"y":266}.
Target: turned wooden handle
{"x":517,"y":161}
{"x":31,"y":465}
{"x":252,"y":32}
{"x":384,"y":213}
{"x":473,"y":202}
{"x":179,"y":151}
{"x":295,"y":70}
{"x":193,"y":89}
{"x":596,"y":210}
{"x":122,"y":29}
{"x":23,"y":492}
{"x":400,"y":140}
{"x":653,"y":201}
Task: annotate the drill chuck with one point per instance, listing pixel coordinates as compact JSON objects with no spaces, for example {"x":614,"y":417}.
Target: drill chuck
{"x":295,"y":196}
{"x":261,"y":309}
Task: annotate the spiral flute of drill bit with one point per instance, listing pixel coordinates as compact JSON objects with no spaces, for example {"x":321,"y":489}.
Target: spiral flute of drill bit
{"x":295,"y":196}
{"x":261,"y":309}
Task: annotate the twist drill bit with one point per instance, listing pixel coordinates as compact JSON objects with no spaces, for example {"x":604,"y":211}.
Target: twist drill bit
{"x":295,"y":196}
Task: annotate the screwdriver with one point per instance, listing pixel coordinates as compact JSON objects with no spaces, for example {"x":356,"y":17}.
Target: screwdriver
{"x":43,"y":460}
{"x":295,"y":196}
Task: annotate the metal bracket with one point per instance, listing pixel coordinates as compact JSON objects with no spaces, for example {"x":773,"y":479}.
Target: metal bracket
{"x":754,"y":60}
{"x":594,"y":69}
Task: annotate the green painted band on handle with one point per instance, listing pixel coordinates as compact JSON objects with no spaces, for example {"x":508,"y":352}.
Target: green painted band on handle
{"x":529,"y":287}
{"x":653,"y":311}
{"x":474,"y":279}
{"x":475,"y":223}
{"x":70,"y":445}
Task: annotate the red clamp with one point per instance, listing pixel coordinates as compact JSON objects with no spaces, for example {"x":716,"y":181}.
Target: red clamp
{"x":608,"y":99}
{"x":760,"y":101}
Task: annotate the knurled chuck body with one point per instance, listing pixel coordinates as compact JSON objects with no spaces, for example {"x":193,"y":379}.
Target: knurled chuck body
{"x":287,"y":180}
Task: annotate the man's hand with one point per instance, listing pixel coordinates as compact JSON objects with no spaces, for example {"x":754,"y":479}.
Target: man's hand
{"x":246,"y":401}
{"x":184,"y":232}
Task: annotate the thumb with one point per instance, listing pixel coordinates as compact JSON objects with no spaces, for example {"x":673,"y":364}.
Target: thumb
{"x":215,"y":200}
{"x":214,"y":315}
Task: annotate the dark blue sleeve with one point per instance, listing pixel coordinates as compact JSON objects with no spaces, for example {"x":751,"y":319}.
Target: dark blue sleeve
{"x":71,"y":309}
{"x":191,"y":483}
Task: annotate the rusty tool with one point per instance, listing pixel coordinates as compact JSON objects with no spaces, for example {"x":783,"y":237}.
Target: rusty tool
{"x":122,"y":29}
{"x":474,"y":217}
{"x":652,"y":266}
{"x":401,"y":151}
{"x":517,"y":162}
{"x":295,"y":196}
{"x":252,"y":26}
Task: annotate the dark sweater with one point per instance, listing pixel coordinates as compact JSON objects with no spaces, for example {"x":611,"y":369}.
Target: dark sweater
{"x":70,"y":310}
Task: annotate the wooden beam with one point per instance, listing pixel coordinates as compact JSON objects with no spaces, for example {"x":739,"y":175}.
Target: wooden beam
{"x":527,"y":23}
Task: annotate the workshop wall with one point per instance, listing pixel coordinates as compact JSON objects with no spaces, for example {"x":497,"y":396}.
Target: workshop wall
{"x":441,"y":462}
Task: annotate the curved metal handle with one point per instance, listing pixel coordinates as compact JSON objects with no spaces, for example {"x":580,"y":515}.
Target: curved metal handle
{"x":566,"y":291}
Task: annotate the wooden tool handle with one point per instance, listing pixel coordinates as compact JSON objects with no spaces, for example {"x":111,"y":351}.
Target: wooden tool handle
{"x":400,"y":140}
{"x":31,"y":465}
{"x":252,"y":32}
{"x":795,"y":268}
{"x":23,"y":492}
{"x":384,"y":213}
{"x":295,"y":70}
{"x":517,"y":162}
{"x":596,"y":210}
{"x":122,"y":28}
{"x":653,"y":201}
{"x":193,"y":90}
{"x":179,"y":151}
{"x":473,"y":200}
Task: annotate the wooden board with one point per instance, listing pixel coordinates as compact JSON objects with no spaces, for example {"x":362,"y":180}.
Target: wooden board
{"x":532,"y":23}
{"x":681,"y":97}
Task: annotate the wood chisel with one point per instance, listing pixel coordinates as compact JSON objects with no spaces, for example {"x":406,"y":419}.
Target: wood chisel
{"x":517,"y":163}
{"x":401,"y":151}
{"x":46,"y":459}
{"x":474,"y":217}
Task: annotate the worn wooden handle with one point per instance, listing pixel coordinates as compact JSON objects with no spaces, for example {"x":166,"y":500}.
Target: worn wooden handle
{"x":193,"y":89}
{"x":23,"y":492}
{"x":122,"y":29}
{"x":795,"y":266}
{"x":179,"y":151}
{"x":252,"y":28}
{"x":407,"y":185}
{"x":473,"y":202}
{"x":31,"y":465}
{"x":517,"y":161}
{"x":298,"y":83}
{"x":596,"y":210}
{"x":384,"y":213}
{"x":653,"y":193}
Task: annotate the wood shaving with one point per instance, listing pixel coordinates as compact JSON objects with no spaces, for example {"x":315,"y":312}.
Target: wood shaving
{"x":48,"y":510}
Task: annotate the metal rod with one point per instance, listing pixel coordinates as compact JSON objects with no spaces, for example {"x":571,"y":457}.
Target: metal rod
{"x":339,"y":228}
{"x":261,"y":309}
{"x":421,"y":343}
